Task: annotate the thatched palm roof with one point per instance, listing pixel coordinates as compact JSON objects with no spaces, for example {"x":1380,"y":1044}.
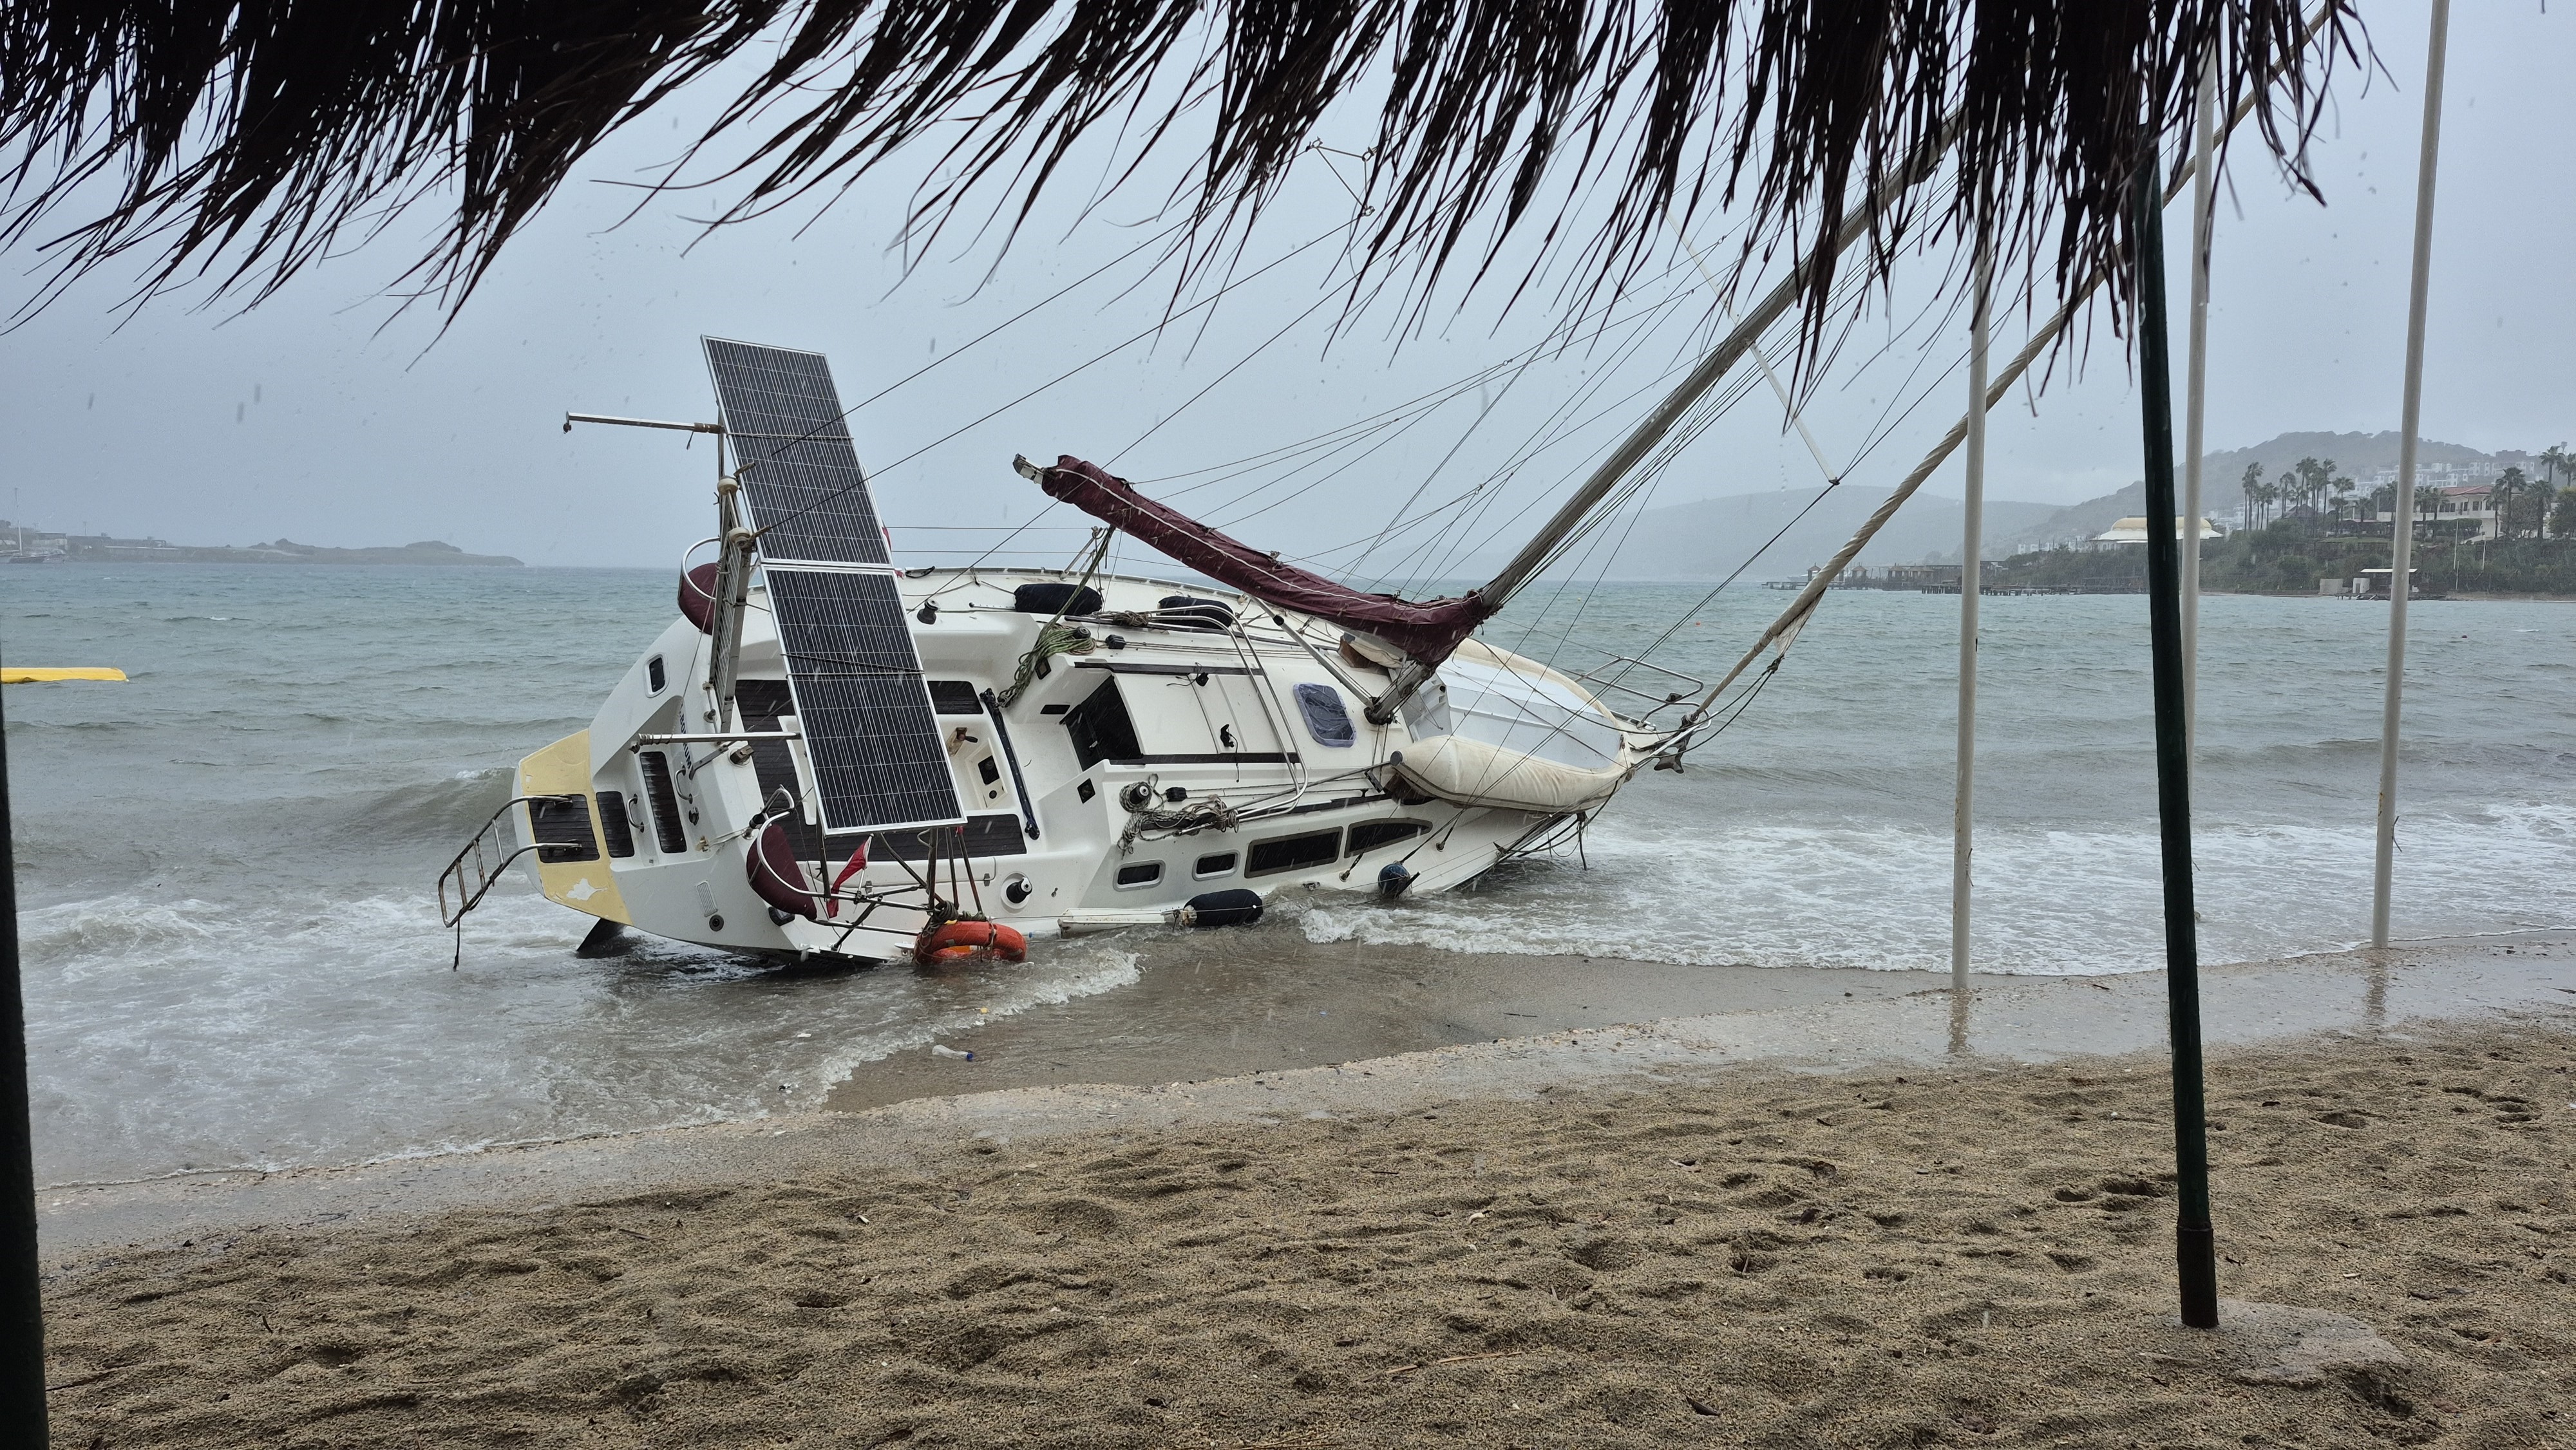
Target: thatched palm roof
{"x":239,"y":139}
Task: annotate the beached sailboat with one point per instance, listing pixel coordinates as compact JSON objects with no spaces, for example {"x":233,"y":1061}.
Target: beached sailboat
{"x":826,"y":754}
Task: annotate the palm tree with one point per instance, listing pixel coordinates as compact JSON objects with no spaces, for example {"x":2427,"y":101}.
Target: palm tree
{"x":2251,"y":487}
{"x":2558,"y":464}
{"x":243,"y":143}
{"x":2428,"y":509}
{"x":2501,"y":494}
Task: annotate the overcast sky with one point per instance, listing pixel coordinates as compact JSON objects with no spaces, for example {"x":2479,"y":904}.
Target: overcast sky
{"x":328,"y":416}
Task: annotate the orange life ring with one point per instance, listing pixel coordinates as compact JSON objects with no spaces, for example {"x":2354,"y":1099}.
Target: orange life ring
{"x":958,"y":941}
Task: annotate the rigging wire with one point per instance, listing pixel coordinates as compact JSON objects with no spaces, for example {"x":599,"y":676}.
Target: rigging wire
{"x":1104,"y":355}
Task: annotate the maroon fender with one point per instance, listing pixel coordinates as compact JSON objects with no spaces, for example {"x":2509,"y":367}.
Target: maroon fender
{"x":777,"y":877}
{"x":698,"y":597}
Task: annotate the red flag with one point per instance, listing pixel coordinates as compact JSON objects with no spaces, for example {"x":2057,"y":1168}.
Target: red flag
{"x":858,"y":863}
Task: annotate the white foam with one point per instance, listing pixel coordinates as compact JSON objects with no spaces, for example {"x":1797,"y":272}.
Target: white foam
{"x":2047,"y":901}
{"x":192,"y":1035}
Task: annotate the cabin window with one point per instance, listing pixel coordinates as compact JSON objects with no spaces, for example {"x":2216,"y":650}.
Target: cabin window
{"x":955,"y":697}
{"x":1139,"y":873}
{"x":1209,"y":868}
{"x":1293,"y":853}
{"x":614,"y":825}
{"x":654,"y":679}
{"x":561,"y":825}
{"x":987,"y":770}
{"x":1369,"y":835}
{"x":1100,"y":727}
{"x":668,"y":831}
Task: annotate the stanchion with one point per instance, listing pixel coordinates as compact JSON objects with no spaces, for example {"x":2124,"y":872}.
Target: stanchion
{"x":22,"y":1305}
{"x":2195,"y":1247}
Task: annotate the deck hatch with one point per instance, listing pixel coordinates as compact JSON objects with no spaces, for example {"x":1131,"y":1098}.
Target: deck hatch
{"x":1101,"y":728}
{"x":955,"y":697}
{"x":800,"y":474}
{"x":861,"y":702}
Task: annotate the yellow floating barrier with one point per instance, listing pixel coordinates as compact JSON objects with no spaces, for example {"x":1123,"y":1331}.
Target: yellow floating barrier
{"x":29,"y":675}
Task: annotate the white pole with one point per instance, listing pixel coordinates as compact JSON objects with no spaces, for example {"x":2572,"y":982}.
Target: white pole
{"x":2195,"y":378}
{"x":2401,"y":528}
{"x":1971,"y":579}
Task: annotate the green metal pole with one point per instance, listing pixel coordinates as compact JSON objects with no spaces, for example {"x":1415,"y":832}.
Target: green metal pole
{"x":22,"y":1305}
{"x":2195,"y":1248}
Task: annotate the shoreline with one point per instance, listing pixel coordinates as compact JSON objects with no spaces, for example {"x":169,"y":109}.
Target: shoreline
{"x":889,"y":1113}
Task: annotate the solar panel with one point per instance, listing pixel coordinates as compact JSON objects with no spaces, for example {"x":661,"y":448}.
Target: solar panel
{"x":800,"y":475}
{"x":861,"y":702}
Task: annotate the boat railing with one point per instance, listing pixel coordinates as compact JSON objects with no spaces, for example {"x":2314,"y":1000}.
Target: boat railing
{"x":477,"y":868}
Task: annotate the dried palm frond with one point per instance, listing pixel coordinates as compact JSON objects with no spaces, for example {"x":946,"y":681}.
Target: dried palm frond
{"x":238,"y":142}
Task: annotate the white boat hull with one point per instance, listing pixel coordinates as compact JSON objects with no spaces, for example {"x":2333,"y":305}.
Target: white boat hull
{"x":1220,"y":781}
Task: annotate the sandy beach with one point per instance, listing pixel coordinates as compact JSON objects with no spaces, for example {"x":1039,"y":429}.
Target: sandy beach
{"x":1973,"y":1251}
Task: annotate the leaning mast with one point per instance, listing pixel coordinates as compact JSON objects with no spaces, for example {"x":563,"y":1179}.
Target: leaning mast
{"x":1640,"y":442}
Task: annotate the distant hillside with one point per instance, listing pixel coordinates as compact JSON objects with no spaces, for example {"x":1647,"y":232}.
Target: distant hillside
{"x":98,"y":549}
{"x":1708,"y":539}
{"x":2222,"y":474}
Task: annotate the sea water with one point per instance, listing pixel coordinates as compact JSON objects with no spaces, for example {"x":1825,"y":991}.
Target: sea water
{"x":226,"y":866}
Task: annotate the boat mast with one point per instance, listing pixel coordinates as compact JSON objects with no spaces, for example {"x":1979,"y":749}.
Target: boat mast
{"x":1634,"y":449}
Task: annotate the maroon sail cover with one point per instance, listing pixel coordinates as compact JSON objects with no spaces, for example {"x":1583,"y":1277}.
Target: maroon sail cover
{"x":1428,"y":632}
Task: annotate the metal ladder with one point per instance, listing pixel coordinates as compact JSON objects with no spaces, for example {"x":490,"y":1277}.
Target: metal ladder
{"x":477,"y":868}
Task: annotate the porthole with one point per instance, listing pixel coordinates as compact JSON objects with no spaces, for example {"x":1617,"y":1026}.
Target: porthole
{"x":1137,"y":874}
{"x":654,"y":678}
{"x":1208,"y":868}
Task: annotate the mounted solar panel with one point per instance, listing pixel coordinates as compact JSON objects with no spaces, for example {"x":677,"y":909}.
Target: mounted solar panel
{"x":800,"y":475}
{"x":879,"y":761}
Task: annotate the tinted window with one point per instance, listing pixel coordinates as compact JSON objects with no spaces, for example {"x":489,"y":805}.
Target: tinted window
{"x":1140,"y":873}
{"x":1216,"y":865}
{"x":1290,"y":853}
{"x":1369,"y":835}
{"x":654,"y":679}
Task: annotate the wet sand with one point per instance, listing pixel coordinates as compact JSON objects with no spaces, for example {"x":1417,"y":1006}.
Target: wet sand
{"x":1812,"y":1226}
{"x":1270,"y":1001}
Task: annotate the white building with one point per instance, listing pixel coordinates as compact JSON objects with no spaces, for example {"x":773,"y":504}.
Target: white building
{"x":2134,"y":531}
